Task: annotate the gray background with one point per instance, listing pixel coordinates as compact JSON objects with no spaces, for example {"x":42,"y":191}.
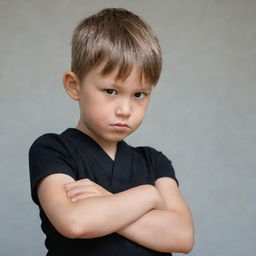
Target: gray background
{"x":202,"y":113}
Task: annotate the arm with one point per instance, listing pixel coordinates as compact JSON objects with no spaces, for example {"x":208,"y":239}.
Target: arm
{"x":166,"y":230}
{"x":170,"y":219}
{"x":93,"y":216}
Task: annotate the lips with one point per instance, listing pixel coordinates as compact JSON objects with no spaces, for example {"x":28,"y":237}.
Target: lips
{"x":121,"y":125}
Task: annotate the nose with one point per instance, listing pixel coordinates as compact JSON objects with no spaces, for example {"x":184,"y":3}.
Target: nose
{"x":123,"y":108}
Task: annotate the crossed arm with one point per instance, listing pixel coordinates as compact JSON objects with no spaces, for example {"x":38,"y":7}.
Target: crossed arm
{"x":167,"y":229}
{"x":156,"y":217}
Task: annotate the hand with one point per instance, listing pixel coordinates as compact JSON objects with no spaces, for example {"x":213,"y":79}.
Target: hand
{"x":84,"y":188}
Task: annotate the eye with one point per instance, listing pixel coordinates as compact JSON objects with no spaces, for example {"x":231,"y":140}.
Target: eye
{"x":140,"y":95}
{"x":110,"y":91}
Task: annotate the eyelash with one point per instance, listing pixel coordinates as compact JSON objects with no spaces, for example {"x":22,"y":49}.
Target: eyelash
{"x":113,"y":90}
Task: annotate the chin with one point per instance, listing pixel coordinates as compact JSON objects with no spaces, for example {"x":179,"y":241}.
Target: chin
{"x":117,"y":137}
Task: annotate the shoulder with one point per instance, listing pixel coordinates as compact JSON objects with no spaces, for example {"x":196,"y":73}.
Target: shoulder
{"x":47,"y":138}
{"x":161,"y":164}
{"x":150,"y":153}
{"x":49,"y":153}
{"x":51,"y":148}
{"x":48,"y":141}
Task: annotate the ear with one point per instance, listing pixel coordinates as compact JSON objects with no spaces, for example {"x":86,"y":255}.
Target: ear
{"x":72,"y":85}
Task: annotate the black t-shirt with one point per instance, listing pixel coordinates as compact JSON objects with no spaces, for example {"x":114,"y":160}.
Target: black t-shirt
{"x":76,"y":154}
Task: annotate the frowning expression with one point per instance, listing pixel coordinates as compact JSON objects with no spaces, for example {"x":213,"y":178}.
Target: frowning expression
{"x":110,"y":110}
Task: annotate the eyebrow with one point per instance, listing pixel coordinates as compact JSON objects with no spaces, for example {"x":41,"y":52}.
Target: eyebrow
{"x":144,"y":88}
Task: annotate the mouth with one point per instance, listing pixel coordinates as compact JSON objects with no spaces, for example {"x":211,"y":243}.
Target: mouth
{"x":120,"y":126}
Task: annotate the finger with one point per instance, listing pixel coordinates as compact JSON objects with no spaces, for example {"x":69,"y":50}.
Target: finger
{"x":78,"y":190}
{"x":71,"y":185}
{"x":77,"y":182}
{"x":83,"y":196}
{"x":84,"y":181}
{"x":82,"y":189}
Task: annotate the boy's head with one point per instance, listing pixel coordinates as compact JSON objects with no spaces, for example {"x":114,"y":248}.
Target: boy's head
{"x":120,"y":38}
{"x":116,"y":60}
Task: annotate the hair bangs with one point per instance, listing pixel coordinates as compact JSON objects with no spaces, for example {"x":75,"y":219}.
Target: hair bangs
{"x":121,"y":39}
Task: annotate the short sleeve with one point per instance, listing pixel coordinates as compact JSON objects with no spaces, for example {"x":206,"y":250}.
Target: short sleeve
{"x":165,"y":168}
{"x":48,"y":155}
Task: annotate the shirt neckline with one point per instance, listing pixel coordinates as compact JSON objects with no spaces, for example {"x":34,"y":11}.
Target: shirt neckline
{"x":83,"y":137}
{"x":120,"y":166}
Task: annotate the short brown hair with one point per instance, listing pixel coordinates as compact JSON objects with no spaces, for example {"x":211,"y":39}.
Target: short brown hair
{"x":122,"y":39}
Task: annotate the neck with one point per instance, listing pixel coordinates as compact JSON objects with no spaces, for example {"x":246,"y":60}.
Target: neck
{"x":109,"y":147}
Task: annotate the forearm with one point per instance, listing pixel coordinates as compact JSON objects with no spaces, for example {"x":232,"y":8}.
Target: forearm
{"x":98,"y":216}
{"x":161,"y":230}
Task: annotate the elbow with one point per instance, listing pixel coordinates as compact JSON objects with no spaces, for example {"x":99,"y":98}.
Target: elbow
{"x":187,"y":249}
{"x":188,"y":242}
{"x":69,"y":230}
{"x":69,"y":233}
{"x":188,"y":238}
{"x":70,"y":227}
{"x":184,"y":243}
{"x":77,"y":229}
{"x":184,"y":247}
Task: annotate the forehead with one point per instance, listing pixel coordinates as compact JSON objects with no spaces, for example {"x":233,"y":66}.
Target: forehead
{"x":135,"y":77}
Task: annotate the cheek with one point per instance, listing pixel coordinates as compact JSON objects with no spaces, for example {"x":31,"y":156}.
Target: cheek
{"x":97,"y":109}
{"x":139,"y":113}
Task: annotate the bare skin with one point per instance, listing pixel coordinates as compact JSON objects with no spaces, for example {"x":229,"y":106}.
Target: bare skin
{"x":144,"y":229}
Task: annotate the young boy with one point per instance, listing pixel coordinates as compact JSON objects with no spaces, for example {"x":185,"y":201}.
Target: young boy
{"x":96,"y":194}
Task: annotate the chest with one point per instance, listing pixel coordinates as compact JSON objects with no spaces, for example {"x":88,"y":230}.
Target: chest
{"x":127,"y":171}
